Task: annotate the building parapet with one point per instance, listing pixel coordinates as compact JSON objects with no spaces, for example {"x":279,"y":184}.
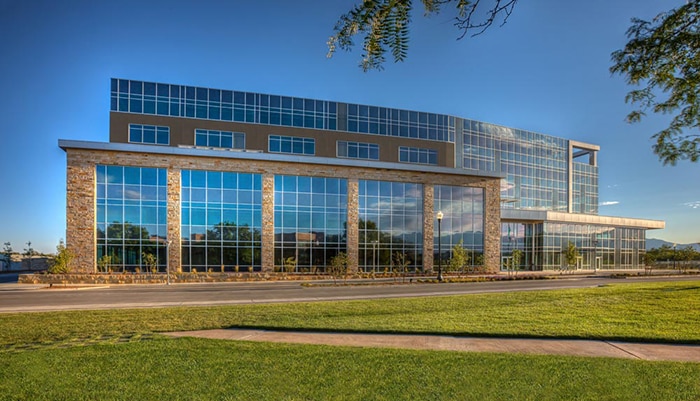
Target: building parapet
{"x":187,"y":151}
{"x":559,"y":217}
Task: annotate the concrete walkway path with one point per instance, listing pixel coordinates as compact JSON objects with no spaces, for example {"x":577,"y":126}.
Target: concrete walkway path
{"x":588,"y":348}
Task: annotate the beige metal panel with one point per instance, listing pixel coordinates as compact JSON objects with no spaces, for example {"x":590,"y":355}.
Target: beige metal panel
{"x":549,"y":216}
{"x":256,"y":136}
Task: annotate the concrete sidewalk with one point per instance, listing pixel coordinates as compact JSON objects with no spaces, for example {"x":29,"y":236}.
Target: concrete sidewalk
{"x":588,"y":348}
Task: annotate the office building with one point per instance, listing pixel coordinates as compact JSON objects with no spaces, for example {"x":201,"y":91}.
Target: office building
{"x":220,"y":180}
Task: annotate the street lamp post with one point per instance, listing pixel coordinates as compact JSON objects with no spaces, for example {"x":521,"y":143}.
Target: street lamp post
{"x":374,"y":258}
{"x":674,"y":256}
{"x":439,"y":219}
{"x":314,"y":261}
{"x":30,"y":251}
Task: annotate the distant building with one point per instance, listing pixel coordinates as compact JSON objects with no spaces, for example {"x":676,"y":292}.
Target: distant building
{"x":248,"y":179}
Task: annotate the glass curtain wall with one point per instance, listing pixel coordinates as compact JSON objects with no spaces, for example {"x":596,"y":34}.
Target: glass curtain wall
{"x":131,"y":217}
{"x":310,"y":221}
{"x":400,"y":123}
{"x":520,"y":236}
{"x":225,"y":105}
{"x":390,"y":226}
{"x":221,"y":221}
{"x":463,"y":220}
{"x":600,"y":247}
{"x":222,"y":105}
{"x":535,"y":164}
{"x":631,"y":244}
{"x":585,"y":188}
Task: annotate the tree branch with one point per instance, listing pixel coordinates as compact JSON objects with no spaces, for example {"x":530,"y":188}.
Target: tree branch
{"x":384,"y":25}
{"x":663,"y":56}
{"x":467,"y":23}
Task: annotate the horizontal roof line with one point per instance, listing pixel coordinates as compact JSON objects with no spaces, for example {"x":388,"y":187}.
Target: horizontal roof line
{"x":274,"y":157}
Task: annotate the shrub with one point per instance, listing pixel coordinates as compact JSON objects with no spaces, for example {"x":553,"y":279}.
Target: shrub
{"x":60,"y":264}
{"x":290,"y":264}
{"x":104,"y":264}
{"x":150,"y":261}
{"x":338,"y":266}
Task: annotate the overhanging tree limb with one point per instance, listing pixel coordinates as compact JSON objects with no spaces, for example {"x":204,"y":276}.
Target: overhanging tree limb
{"x":663,"y":57}
{"x":384,"y":25}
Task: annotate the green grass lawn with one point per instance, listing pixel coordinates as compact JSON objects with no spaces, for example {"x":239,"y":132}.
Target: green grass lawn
{"x":197,"y":369}
{"x":660,"y":312}
{"x":114,"y":354}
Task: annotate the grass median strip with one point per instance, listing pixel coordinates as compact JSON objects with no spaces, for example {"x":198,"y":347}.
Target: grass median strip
{"x":659,"y":312}
{"x":117,"y":354}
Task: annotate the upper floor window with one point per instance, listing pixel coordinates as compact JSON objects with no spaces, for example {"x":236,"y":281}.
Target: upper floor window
{"x":292,"y":145}
{"x":417,"y":155}
{"x":358,"y":150}
{"x":150,"y":134}
{"x":219,"y":139}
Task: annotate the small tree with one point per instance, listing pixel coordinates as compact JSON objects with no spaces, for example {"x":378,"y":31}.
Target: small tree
{"x":60,"y":264}
{"x":685,"y":255}
{"x":104,"y":263}
{"x":649,"y":260}
{"x":460,"y":258}
{"x":150,"y":261}
{"x":338,"y":266}
{"x":479,"y":262}
{"x":516,"y":259}
{"x":29,"y":252}
{"x":290,"y":264}
{"x":571,"y":255}
{"x":7,"y":253}
{"x":400,"y":263}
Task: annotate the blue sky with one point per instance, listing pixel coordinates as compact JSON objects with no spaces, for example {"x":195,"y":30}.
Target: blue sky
{"x":546,"y":70}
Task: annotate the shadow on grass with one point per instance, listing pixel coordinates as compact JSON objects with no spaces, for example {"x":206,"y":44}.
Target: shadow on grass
{"x":79,"y":342}
{"x":626,"y":339}
{"x":681,"y":289}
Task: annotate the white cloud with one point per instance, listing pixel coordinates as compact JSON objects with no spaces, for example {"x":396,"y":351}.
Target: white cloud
{"x":608,"y":203}
{"x":693,"y":204}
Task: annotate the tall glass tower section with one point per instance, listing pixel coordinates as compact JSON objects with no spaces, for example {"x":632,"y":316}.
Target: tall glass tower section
{"x":535,"y":165}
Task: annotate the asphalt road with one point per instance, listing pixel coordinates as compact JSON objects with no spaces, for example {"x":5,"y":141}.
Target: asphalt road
{"x":34,"y":298}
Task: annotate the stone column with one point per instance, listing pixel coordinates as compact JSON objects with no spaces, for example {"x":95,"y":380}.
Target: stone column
{"x":80,"y":210}
{"x":174,"y":220}
{"x":428,"y":226}
{"x":492,"y":226}
{"x":268,"y":222}
{"x":353,"y":231}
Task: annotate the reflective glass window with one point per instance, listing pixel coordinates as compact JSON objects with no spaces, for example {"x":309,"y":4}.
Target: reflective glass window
{"x":390,"y":225}
{"x":149,"y":134}
{"x":417,"y":155}
{"x":131,"y":221}
{"x":310,"y":221}
{"x":222,"y":221}
{"x":357,"y":150}
{"x":219,"y":139}
{"x":462,"y":223}
{"x":291,"y":145}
